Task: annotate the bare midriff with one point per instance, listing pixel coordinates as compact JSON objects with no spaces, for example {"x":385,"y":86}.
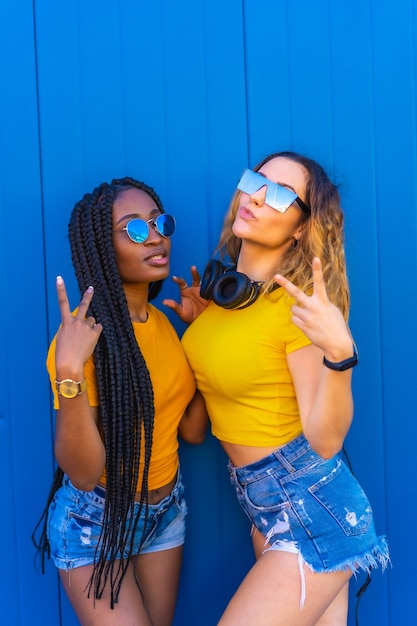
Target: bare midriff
{"x":155,"y":495}
{"x":240,"y":455}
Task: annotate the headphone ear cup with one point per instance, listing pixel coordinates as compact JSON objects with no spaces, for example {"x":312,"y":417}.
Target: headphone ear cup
{"x":234,"y":290}
{"x":211,"y":274}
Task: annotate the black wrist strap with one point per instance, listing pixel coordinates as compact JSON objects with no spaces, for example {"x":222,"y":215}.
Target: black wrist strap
{"x":341,"y":366}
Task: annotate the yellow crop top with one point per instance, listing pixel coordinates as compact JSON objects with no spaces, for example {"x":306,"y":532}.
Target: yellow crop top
{"x":173,"y":385}
{"x":239,"y":362}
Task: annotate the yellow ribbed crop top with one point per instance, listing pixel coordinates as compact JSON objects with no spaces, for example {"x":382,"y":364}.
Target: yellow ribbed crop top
{"x":239,"y":362}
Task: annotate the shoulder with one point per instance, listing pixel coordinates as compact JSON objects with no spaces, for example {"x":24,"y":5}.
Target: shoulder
{"x":160,"y":320}
{"x":158,"y":315}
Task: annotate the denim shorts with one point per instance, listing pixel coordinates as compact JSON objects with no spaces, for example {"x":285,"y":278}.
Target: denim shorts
{"x":313,"y":507}
{"x":75,"y":523}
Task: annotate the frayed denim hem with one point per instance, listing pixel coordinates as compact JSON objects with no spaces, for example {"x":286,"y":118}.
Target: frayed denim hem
{"x":379,"y":556}
{"x":368,"y":561}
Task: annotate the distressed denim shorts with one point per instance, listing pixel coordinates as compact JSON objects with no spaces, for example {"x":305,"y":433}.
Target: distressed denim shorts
{"x":75,"y":522}
{"x":313,"y":507}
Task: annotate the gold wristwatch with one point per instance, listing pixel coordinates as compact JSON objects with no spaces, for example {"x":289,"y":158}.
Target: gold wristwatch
{"x":69,"y":388}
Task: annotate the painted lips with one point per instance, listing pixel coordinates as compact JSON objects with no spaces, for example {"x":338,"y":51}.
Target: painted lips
{"x":246,"y":214}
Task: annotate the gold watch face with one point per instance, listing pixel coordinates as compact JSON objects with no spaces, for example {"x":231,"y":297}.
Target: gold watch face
{"x":69,"y":388}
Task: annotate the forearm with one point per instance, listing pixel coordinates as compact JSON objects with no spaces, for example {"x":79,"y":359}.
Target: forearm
{"x":79,"y":449}
{"x":329,"y":420}
{"x":324,"y":399}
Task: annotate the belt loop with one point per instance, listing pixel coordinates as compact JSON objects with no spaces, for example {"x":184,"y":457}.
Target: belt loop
{"x":232,"y":473}
{"x":281,"y":458}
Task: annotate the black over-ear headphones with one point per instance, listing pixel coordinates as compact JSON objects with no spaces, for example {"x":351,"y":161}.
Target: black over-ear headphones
{"x":227,"y":287}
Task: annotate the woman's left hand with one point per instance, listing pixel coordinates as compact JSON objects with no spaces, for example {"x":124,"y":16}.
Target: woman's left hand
{"x":320,"y":320}
{"x":191,"y":304}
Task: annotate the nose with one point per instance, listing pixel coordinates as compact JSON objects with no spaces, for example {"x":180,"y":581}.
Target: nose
{"x":153,"y":235}
{"x":258,"y":197}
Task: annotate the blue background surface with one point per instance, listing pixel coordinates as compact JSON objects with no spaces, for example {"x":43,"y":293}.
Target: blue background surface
{"x":184,"y":95}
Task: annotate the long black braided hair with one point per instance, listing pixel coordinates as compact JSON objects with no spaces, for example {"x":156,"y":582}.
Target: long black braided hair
{"x":124,"y":386}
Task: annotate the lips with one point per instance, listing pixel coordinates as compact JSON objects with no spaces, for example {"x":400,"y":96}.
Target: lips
{"x":246,"y":213}
{"x":158,"y":252}
{"x":158,"y":257}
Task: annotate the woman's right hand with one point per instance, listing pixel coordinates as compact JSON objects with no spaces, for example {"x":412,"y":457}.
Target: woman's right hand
{"x":320,"y":320}
{"x":192,"y":304}
{"x":77,"y":336}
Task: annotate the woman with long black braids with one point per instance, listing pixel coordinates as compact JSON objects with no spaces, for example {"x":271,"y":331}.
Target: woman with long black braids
{"x":115,"y":518}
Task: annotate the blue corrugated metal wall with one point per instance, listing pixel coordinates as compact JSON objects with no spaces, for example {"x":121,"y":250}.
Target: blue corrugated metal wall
{"x":184,"y":95}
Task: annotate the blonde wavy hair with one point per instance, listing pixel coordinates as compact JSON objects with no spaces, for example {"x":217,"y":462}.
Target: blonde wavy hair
{"x":322,"y":236}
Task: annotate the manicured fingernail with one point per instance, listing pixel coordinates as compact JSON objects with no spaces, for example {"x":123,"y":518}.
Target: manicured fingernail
{"x":90,"y":289}
{"x":59,"y":280}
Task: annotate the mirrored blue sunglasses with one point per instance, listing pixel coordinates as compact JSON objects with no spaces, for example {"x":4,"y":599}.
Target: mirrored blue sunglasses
{"x":277,"y":197}
{"x":138,"y":230}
